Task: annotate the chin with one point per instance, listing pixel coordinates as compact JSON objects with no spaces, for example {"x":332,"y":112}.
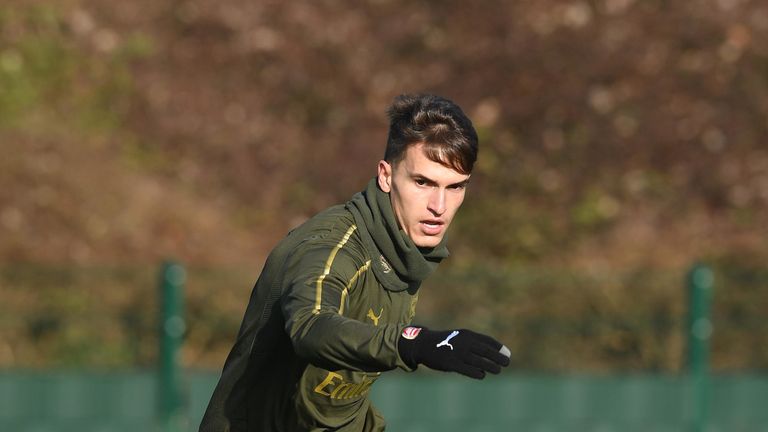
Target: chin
{"x":427,"y":242}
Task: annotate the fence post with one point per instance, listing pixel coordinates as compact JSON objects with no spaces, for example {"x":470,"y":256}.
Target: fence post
{"x":699,"y":330}
{"x":172,"y":415}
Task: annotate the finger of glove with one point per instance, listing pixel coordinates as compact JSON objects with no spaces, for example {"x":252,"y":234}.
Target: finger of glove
{"x":491,"y":354}
{"x":470,"y":371}
{"x":480,"y":338}
{"x":482,"y":363}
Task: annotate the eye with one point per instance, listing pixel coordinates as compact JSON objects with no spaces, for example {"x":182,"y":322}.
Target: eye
{"x":421,"y":182}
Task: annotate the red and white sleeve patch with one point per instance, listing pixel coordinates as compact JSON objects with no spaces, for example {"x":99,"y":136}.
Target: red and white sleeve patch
{"x":411,"y":332}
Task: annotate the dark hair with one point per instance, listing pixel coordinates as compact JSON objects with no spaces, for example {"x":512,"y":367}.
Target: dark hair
{"x":447,"y":134}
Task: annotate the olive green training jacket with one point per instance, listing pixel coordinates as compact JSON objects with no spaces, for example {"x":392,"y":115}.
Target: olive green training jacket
{"x":322,"y":323}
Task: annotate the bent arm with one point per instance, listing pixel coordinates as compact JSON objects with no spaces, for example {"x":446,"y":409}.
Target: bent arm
{"x":312,"y":304}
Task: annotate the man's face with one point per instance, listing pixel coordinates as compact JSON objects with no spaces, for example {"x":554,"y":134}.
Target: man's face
{"x":425,"y":195}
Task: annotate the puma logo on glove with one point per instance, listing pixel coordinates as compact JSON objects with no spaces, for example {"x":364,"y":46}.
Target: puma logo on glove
{"x":471,"y":354}
{"x":445,"y":342}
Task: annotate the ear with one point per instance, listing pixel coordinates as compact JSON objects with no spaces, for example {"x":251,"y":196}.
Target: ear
{"x":384,"y":176}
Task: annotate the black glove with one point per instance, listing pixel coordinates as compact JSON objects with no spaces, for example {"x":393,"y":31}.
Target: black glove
{"x":463,"y":351}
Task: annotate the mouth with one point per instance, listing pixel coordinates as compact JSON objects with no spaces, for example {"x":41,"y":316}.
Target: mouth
{"x":432,"y":226}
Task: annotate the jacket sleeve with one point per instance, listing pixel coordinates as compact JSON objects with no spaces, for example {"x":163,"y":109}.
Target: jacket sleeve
{"x":319,"y":279}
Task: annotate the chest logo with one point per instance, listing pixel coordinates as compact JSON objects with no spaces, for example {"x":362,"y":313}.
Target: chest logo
{"x":373,"y":317}
{"x":335,"y":387}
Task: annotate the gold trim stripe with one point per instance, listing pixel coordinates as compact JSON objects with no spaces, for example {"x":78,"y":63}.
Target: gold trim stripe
{"x":344,"y":293}
{"x":327,"y":270}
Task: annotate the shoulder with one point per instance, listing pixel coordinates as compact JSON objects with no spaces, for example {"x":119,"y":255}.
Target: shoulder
{"x":330,"y":231}
{"x":331,"y":224}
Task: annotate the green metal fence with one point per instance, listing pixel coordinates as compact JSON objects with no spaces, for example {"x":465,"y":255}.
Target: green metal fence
{"x":126,"y":401}
{"x":554,"y":319}
{"x":670,"y":328}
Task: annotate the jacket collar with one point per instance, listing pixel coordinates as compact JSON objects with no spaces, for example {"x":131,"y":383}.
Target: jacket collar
{"x":397,"y":262}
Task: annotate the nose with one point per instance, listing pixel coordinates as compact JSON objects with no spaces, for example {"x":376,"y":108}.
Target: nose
{"x":436,"y":202}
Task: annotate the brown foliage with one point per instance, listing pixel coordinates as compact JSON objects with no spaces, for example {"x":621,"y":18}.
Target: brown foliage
{"x":614,"y":133}
{"x":598,"y":119}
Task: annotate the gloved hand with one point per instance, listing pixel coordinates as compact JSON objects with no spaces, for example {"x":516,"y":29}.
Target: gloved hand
{"x":463,"y":351}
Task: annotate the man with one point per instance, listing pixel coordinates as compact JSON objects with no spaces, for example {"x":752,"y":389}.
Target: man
{"x":332,"y":307}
